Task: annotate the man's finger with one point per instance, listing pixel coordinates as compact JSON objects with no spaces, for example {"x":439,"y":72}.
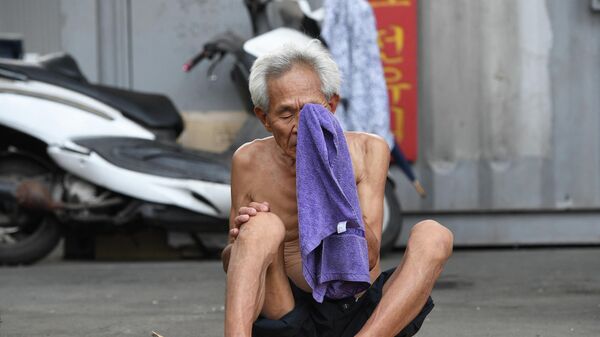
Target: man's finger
{"x":241,"y":219}
{"x":259,"y":206}
{"x":256,"y":205}
{"x":266,"y":206}
{"x":233,"y":233}
{"x":247,"y":210}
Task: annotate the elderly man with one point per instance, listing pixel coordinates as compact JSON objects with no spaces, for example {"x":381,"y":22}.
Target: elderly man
{"x":267,"y":294}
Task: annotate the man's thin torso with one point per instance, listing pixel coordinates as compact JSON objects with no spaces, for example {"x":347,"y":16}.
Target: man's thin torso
{"x":275,"y":182}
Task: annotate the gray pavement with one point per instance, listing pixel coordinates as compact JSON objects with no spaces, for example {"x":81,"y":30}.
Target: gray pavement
{"x":537,"y":293}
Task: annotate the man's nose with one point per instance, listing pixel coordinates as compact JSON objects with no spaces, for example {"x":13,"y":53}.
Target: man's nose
{"x":296,"y":121}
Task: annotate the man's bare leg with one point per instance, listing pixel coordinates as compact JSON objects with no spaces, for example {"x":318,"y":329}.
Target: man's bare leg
{"x":256,"y":279}
{"x":407,"y":290}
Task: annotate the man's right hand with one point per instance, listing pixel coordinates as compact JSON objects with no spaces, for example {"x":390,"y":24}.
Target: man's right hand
{"x":244,"y":215}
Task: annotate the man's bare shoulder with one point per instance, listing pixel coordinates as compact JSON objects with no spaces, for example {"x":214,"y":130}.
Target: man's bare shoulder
{"x":248,"y":153}
{"x":370,"y":155}
{"x":368,"y":144}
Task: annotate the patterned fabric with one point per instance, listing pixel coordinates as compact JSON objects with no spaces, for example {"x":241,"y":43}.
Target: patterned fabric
{"x":350,"y":32}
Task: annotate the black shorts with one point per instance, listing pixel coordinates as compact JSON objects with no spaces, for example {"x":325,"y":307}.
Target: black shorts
{"x":332,"y":318}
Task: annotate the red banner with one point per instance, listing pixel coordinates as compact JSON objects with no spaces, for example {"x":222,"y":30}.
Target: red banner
{"x":397,"y":29}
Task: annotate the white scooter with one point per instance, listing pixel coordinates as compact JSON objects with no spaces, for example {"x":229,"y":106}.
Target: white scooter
{"x":80,"y":154}
{"x":89,"y":157}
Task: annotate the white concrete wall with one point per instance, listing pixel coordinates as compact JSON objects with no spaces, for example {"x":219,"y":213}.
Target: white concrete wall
{"x":509,"y":106}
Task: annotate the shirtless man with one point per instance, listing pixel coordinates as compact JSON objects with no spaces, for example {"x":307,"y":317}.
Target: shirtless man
{"x":267,"y":294}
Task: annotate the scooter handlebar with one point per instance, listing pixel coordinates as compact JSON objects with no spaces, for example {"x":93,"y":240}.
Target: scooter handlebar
{"x":223,"y":44}
{"x":187,"y":67}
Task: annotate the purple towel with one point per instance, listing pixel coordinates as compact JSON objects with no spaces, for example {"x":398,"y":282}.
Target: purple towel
{"x":334,"y":250}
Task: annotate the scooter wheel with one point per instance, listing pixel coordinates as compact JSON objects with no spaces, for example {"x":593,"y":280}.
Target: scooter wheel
{"x":26,"y":236}
{"x":31,"y":247}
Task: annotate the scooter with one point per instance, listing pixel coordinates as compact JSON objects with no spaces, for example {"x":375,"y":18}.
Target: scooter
{"x":85,"y":156}
{"x":78,"y":156}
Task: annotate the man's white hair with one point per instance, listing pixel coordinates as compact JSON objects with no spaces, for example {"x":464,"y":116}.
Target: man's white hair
{"x":281,"y":60}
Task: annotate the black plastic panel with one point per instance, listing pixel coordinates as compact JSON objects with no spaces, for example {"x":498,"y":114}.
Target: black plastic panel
{"x":161,"y":159}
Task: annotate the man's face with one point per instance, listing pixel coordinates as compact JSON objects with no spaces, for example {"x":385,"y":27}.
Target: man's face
{"x":287,"y":95}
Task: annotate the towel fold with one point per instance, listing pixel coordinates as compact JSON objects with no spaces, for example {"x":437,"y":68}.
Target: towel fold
{"x":333,"y":247}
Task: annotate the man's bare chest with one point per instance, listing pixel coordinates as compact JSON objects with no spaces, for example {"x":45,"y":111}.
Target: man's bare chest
{"x":280,"y":193}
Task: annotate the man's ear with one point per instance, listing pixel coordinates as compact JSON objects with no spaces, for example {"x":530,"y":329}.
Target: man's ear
{"x":333,"y":102}
{"x":262,"y":115}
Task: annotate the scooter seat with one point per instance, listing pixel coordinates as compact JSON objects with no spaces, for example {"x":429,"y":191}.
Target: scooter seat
{"x":155,"y":112}
{"x":64,"y":64}
{"x":160,"y":159}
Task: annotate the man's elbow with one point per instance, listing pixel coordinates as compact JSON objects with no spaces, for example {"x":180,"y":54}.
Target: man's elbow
{"x":373,"y":258}
{"x":373,"y":246}
{"x":373,"y":254}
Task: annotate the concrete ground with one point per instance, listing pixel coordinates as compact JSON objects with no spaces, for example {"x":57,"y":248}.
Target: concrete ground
{"x":539,"y":292}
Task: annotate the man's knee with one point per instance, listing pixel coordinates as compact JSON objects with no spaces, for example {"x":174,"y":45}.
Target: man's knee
{"x":264,"y":228}
{"x":434,"y":239}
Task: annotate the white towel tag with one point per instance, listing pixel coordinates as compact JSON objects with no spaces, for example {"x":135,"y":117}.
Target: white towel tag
{"x":341,"y":227}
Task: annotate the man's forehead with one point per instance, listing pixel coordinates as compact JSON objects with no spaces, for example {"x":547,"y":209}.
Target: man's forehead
{"x":299,"y":99}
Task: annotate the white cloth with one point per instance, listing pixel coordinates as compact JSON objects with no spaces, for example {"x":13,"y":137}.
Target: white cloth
{"x":350,"y":32}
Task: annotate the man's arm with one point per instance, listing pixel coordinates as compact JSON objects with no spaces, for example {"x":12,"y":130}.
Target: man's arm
{"x":371,"y":190}
{"x":242,"y":206}
{"x":239,"y":196}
